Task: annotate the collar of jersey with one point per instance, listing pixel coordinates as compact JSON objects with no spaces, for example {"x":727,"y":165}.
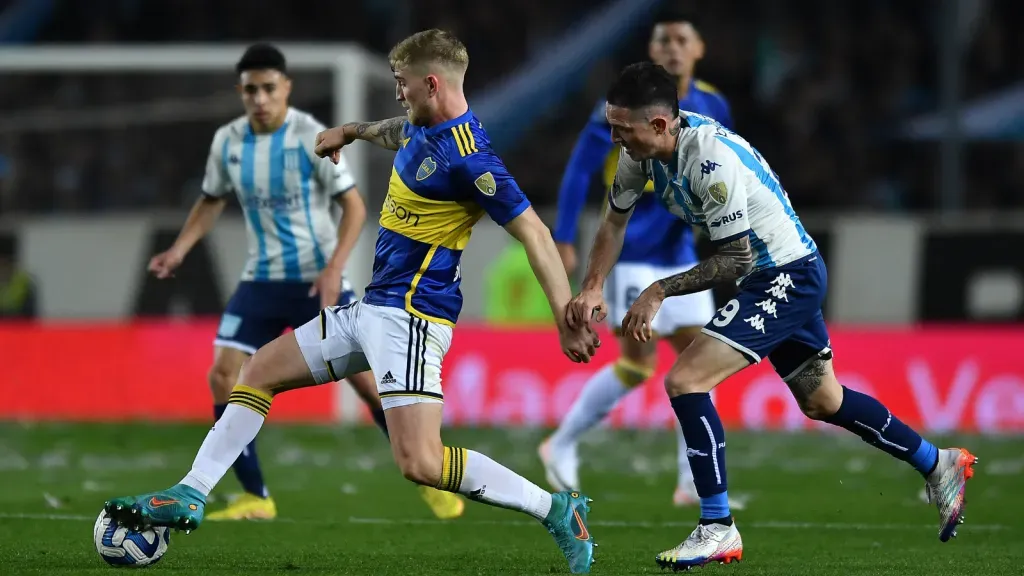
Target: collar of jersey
{"x":448,"y":124}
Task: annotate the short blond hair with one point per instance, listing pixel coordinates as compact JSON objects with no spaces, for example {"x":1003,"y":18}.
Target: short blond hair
{"x":430,"y":48}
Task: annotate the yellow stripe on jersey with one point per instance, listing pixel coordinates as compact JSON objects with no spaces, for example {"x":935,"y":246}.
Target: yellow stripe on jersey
{"x":412,"y":290}
{"x":470,"y":140}
{"x":458,"y":141}
{"x":436,"y":222}
{"x":464,"y":139}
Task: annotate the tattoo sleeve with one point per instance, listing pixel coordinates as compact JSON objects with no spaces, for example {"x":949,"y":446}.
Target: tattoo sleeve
{"x":383,"y":133}
{"x":732,"y":261}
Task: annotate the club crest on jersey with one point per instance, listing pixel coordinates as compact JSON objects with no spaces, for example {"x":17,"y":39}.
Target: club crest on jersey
{"x":292,"y":157}
{"x":485,"y":184}
{"x":426,"y":168}
{"x":718,"y":192}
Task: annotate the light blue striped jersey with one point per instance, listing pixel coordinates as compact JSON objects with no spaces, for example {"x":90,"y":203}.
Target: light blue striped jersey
{"x":720,"y":182}
{"x":286,"y":193}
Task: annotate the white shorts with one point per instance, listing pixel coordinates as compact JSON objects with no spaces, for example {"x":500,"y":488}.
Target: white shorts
{"x":627,"y":280}
{"x":404,"y":351}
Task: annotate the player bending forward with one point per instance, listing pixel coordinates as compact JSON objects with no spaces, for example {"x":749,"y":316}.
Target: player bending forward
{"x":657,"y":244}
{"x":708,"y":175}
{"x":445,"y":178}
{"x":297,"y":249}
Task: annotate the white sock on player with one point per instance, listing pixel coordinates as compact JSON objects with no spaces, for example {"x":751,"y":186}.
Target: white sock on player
{"x":224,"y":442}
{"x":479,"y":478}
{"x":599,"y":395}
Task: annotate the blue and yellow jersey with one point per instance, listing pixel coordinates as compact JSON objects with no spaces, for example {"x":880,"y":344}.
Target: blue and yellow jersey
{"x":445,"y":178}
{"x":654,"y":236}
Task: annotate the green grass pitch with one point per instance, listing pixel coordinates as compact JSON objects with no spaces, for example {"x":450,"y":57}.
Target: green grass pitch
{"x":819,"y":504}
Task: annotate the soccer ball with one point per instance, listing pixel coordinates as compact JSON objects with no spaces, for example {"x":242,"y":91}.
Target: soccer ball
{"x":119,"y":546}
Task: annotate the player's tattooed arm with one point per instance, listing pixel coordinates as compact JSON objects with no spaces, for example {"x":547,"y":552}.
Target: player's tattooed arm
{"x":732,"y":261}
{"x":383,"y":133}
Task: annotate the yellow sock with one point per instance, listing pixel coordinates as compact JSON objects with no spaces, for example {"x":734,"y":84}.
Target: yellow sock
{"x":453,"y":469}
{"x":631,"y":375}
{"x":251,"y":398}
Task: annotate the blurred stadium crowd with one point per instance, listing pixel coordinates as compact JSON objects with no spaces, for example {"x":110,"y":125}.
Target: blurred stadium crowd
{"x":822,"y":89}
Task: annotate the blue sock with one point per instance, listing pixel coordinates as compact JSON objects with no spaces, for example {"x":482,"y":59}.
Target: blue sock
{"x":247,"y":466}
{"x":869,"y":419}
{"x":705,"y":443}
{"x":378,"y":418}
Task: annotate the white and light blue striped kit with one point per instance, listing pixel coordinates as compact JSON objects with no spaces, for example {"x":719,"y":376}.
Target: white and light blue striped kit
{"x":286,"y":194}
{"x":720,"y":182}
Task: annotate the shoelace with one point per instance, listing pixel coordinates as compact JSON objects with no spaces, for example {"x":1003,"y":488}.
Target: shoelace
{"x":702,"y":534}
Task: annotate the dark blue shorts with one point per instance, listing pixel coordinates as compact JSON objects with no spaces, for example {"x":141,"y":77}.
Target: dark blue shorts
{"x":258,"y":312}
{"x":777,"y":315}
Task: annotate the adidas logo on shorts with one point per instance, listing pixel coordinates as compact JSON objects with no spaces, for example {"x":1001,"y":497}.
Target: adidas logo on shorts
{"x":388,"y":379}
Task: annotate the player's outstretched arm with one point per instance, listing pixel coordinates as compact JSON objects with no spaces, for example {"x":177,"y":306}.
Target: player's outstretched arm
{"x":383,"y":133}
{"x":626,"y":189}
{"x":540,"y":249}
{"x":200,"y":221}
{"x":606,"y":249}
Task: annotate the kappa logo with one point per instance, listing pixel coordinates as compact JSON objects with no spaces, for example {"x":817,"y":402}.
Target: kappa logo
{"x":768,"y":306}
{"x":708,"y":167}
{"x":756,"y":322}
{"x":426,"y":168}
{"x":388,"y":378}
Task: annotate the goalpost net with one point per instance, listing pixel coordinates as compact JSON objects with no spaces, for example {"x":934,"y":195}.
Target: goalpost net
{"x":129,"y":127}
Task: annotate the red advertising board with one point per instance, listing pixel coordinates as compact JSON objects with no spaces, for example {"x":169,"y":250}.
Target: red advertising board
{"x":937,"y":378}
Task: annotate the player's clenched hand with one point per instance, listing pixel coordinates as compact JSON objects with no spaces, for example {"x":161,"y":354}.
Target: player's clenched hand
{"x":579,"y":345}
{"x":163,"y":264}
{"x":328,"y":286}
{"x":330,"y":142}
{"x":638,"y":321}
{"x":586,"y":305}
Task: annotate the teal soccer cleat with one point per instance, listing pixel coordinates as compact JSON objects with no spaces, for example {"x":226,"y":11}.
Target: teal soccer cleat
{"x":567,"y":522}
{"x":180,"y":507}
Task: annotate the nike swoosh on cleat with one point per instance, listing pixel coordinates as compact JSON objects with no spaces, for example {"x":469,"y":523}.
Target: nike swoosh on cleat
{"x":158,"y":503}
{"x":584,"y":533}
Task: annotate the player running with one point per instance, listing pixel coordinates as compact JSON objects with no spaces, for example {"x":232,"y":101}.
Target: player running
{"x":708,"y":175}
{"x":657,"y":245}
{"x":445,"y":178}
{"x":297,"y":249}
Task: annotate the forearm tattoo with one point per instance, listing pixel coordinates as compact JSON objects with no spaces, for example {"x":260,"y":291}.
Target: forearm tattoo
{"x":732,"y":261}
{"x":807,"y":381}
{"x":384,"y":133}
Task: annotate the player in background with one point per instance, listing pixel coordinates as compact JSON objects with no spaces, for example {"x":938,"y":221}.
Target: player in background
{"x":709,"y":175}
{"x":297,"y":248}
{"x":657,"y":245}
{"x":445,"y":178}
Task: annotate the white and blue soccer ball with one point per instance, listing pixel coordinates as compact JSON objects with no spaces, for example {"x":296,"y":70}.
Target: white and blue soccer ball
{"x":120,"y":546}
